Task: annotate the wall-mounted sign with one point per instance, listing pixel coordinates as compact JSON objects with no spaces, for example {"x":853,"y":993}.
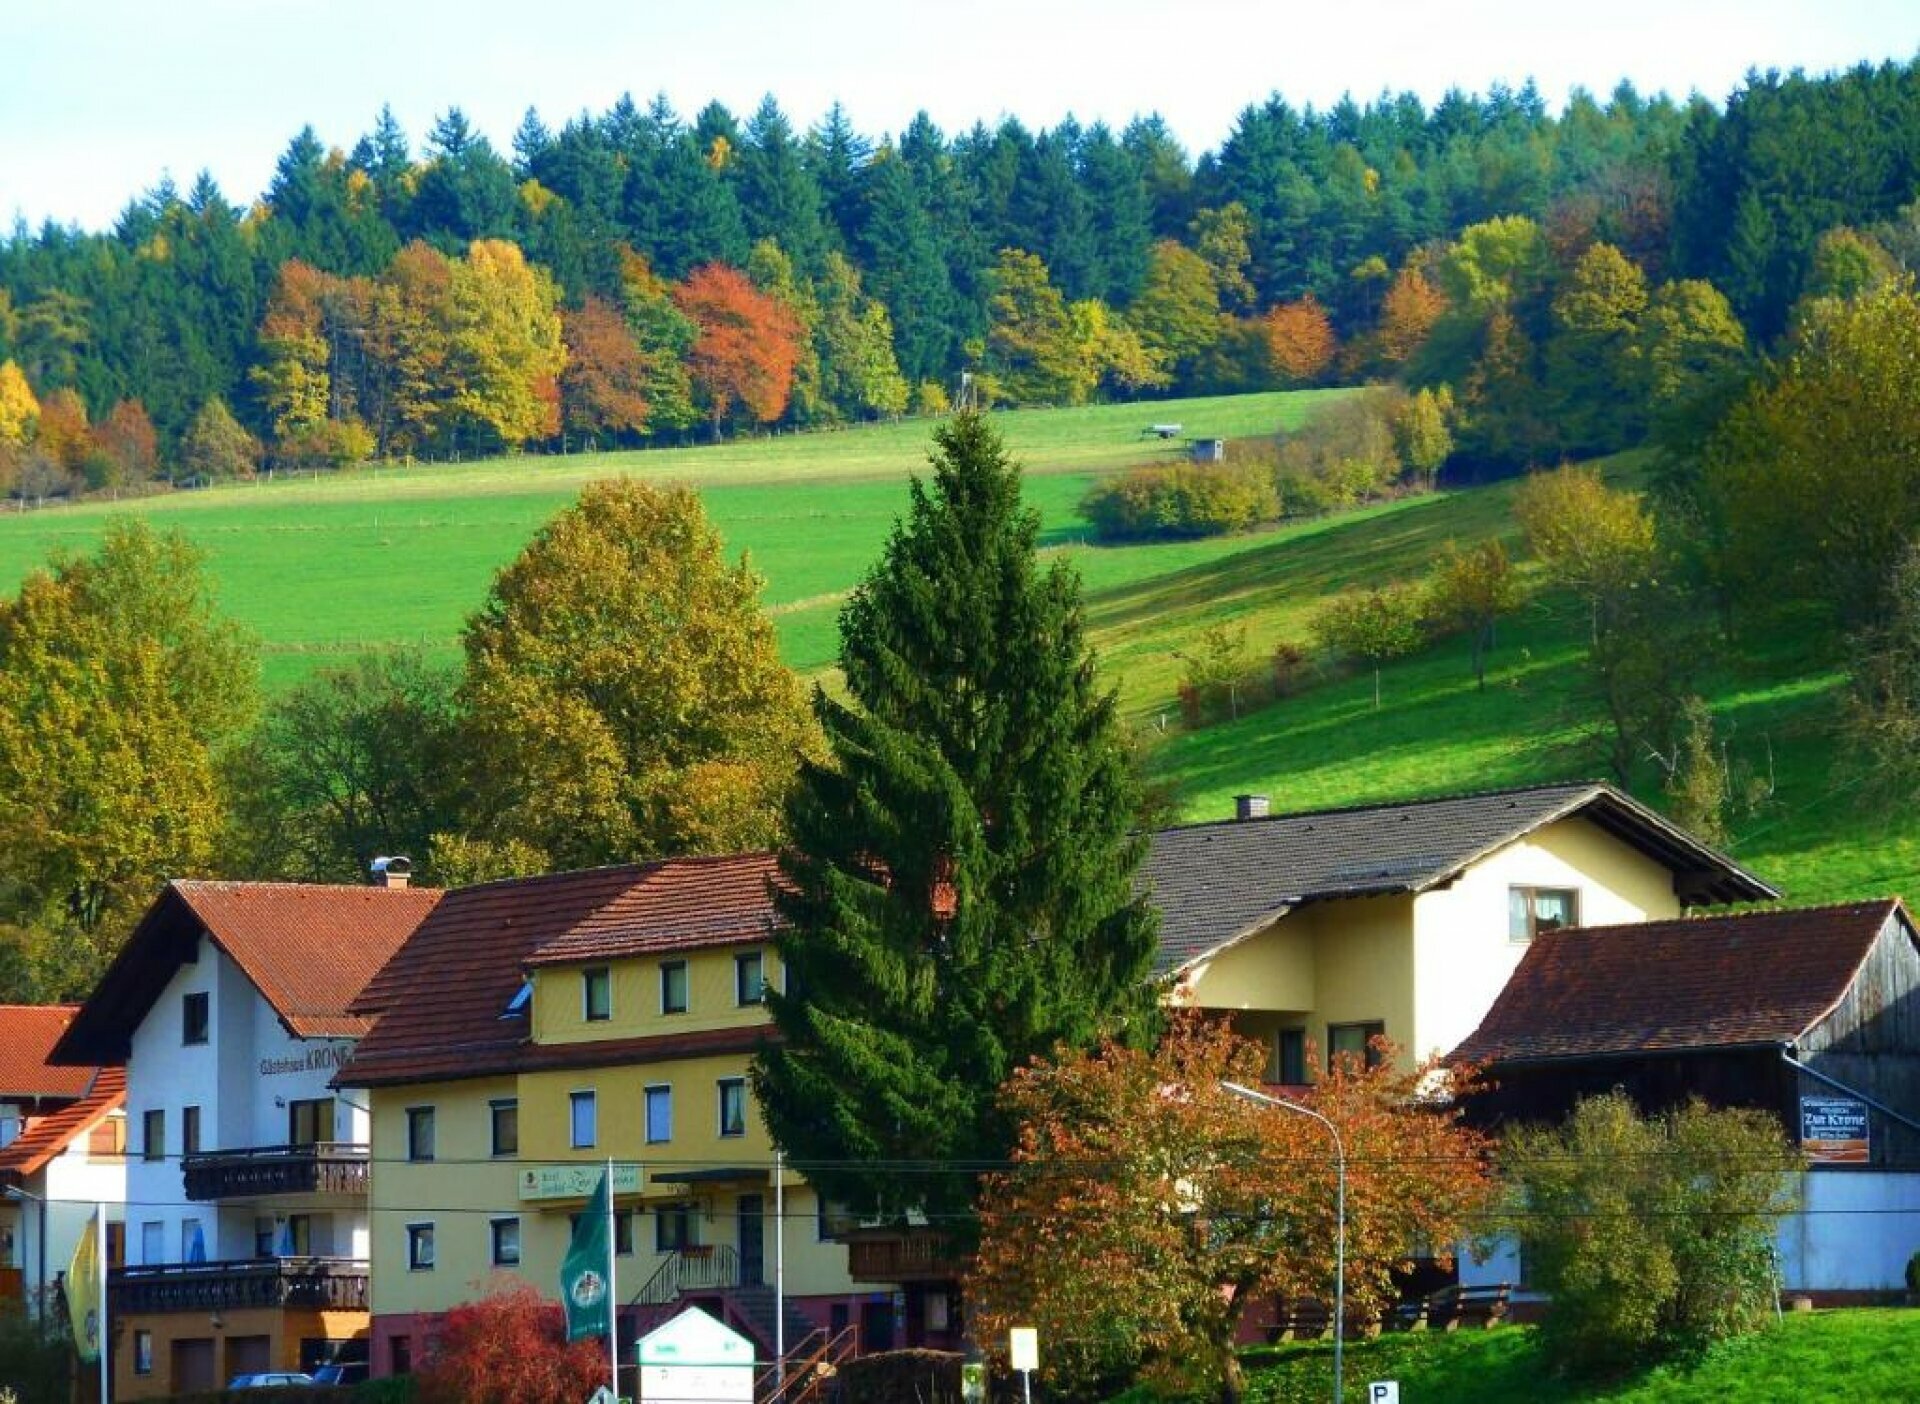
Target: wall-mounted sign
{"x":322,"y":1057}
{"x":1833,"y":1131}
{"x":575,"y":1181}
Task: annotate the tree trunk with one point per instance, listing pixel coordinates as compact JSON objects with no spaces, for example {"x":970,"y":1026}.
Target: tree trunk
{"x":1233,"y":1381}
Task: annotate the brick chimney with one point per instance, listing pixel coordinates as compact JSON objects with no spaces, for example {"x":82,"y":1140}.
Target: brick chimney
{"x":1249,"y":806}
{"x":396,"y":871}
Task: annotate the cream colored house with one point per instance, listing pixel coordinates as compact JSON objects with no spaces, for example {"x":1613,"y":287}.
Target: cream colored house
{"x":1320,"y":930}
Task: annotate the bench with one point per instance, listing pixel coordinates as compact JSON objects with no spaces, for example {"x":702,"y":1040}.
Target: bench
{"x":1453,"y":1307}
{"x":1302,"y":1319}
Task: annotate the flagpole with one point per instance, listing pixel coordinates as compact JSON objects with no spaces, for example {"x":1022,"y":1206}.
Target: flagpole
{"x":779,"y":1266}
{"x":100,"y":1251}
{"x":613,"y":1297}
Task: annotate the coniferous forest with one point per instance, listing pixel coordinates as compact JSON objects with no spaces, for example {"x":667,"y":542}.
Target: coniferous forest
{"x":639,"y":276}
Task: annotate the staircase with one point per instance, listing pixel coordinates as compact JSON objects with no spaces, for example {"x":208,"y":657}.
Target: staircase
{"x":753,"y":1309}
{"x":710,"y":1277}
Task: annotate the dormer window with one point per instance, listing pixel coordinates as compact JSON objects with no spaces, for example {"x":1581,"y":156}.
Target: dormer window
{"x":522,"y":997}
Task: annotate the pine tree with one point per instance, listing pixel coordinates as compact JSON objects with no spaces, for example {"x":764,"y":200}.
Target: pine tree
{"x":958,"y":893}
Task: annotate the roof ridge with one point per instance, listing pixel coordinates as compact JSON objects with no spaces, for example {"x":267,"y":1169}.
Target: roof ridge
{"x":274,"y":885}
{"x":1361,"y":808}
{"x":1706,"y":918}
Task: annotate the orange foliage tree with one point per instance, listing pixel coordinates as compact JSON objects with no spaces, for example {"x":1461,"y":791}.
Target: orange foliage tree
{"x":748,"y":345}
{"x":127,"y":448}
{"x":603,"y":388}
{"x":1412,"y":305}
{"x":510,"y":1347}
{"x":1300,"y":340}
{"x":1148,"y":1208}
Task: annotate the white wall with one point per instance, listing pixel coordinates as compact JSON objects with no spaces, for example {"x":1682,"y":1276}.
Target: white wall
{"x":242,"y":1079}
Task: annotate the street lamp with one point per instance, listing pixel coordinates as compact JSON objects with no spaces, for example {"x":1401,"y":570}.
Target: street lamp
{"x":1339,"y":1222}
{"x":15,"y":1192}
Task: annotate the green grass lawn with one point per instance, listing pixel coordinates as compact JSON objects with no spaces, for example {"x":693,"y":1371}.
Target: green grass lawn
{"x":1862,"y":1356}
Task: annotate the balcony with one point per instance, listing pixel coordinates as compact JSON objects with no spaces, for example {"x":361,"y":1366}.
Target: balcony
{"x":330,"y":1284}
{"x":322,"y":1167}
{"x":911,"y":1255}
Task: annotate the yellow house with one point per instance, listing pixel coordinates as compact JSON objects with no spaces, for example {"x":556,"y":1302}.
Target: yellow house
{"x":1318,"y":931}
{"x":535,"y":1030}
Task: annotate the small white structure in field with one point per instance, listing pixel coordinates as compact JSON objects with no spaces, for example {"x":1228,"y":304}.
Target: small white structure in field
{"x":697,"y":1359}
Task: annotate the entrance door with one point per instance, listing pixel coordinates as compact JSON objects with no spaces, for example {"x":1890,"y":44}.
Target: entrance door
{"x":751,"y":1241}
{"x":192,"y":1366}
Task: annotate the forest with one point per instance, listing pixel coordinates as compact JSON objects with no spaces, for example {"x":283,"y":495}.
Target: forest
{"x":636,"y":277}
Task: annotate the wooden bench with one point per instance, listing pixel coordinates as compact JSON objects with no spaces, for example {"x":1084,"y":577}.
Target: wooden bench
{"x":1453,"y":1307}
{"x":1302,"y":1319}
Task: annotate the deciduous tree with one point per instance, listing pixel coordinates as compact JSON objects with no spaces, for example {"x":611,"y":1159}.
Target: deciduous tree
{"x":19,"y":408}
{"x":1300,"y":341}
{"x":504,"y":352}
{"x":510,"y":1347}
{"x":603,"y":389}
{"x":1470,"y":591}
{"x":216,"y":446}
{"x":959,"y":892}
{"x":126,"y":445}
{"x":1034,"y":351}
{"x":746,"y":348}
{"x":1377,"y":625}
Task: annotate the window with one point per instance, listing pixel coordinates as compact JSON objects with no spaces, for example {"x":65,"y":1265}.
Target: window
{"x":419,"y":1247}
{"x":622,"y":1231}
{"x":659,"y":1114}
{"x":153,"y":1136}
{"x":9,"y":1127}
{"x":673,"y":1228}
{"x":1532,"y":910}
{"x":263,"y":1236}
{"x":733,"y":1106}
{"x":400,"y":1354}
{"x":311,"y":1122}
{"x":596,"y":994}
{"x":153,"y":1243}
{"x":584,"y":1119}
{"x":193,"y":1018}
{"x":505,"y":1116}
{"x":143,"y":1352}
{"x":673,"y":987}
{"x":193,"y":1241}
{"x":833,"y":1219}
{"x":1289,"y":1064}
{"x":1355,"y":1041}
{"x":505,"y":1234}
{"x":190,"y":1131}
{"x":419,"y":1133}
{"x":749,"y":978}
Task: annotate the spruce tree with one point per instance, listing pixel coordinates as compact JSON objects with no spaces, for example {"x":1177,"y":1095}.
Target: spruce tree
{"x":958,"y":893}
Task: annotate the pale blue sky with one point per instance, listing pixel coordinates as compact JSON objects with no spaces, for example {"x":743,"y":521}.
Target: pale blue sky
{"x":99,"y":98}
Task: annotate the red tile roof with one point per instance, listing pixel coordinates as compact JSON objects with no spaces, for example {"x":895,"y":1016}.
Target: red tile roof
{"x":308,"y":948}
{"x":27,"y":1035}
{"x":1668,"y":986}
{"x":48,"y":1136}
{"x":443,"y":999}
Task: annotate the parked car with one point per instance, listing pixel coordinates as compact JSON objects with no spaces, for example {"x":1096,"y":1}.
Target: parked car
{"x":341,"y":1372}
{"x":270,"y":1379}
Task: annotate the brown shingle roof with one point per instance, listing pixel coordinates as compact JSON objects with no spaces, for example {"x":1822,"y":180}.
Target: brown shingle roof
{"x":308,"y":948}
{"x":677,"y":904}
{"x":48,"y":1136}
{"x":1668,"y":986}
{"x":1215,"y":883}
{"x":28,"y":1033}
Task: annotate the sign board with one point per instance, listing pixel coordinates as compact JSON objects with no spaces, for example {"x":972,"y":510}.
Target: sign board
{"x":602,"y":1395}
{"x":973,"y":1382}
{"x":319,"y":1057}
{"x":1023,"y":1345}
{"x":1383,"y":1392}
{"x":1833,"y":1131}
{"x":575,"y":1181}
{"x":694,"y":1359}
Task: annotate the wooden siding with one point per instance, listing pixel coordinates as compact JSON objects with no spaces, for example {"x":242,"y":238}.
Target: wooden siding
{"x":1871,"y":1042}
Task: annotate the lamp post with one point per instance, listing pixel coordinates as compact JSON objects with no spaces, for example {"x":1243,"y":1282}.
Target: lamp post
{"x":15,"y":1192}
{"x":1339,"y":1222}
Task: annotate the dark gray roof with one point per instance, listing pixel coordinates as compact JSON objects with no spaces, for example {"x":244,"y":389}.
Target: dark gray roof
{"x":1215,"y":883}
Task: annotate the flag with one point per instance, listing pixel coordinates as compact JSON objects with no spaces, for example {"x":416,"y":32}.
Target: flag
{"x":83,"y":1294}
{"x":584,"y":1288}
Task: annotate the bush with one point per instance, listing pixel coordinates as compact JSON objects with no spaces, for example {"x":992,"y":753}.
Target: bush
{"x":1650,"y":1235}
{"x":902,"y":1377}
{"x":1181,"y":500}
{"x":1343,"y":455}
{"x":34,"y":1358}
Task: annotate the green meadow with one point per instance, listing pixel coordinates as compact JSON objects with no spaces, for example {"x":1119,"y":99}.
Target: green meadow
{"x":322,"y":569}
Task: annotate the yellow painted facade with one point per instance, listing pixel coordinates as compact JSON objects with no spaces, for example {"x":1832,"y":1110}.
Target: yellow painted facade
{"x":637,"y":1007}
{"x":1425,"y":967}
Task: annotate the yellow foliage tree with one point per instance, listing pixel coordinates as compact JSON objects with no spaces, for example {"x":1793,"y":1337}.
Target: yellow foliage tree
{"x":505,"y":351}
{"x":19,"y":410}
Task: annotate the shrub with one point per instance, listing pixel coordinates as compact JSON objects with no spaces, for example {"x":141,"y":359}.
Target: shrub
{"x":1344,"y":454}
{"x":902,"y":1377}
{"x":1288,"y":661}
{"x":1376,"y":625}
{"x":1181,"y":500}
{"x":1651,"y":1235}
{"x":1218,"y":675}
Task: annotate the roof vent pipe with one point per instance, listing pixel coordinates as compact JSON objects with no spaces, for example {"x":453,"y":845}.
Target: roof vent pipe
{"x":1249,"y":806}
{"x":396,"y":871}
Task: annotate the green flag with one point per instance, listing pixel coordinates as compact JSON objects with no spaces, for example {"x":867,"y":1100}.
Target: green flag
{"x":585,"y":1288}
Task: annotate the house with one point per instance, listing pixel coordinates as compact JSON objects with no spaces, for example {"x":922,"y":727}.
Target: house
{"x":534,"y":1030}
{"x":247,"y":1241}
{"x":63,"y":1134}
{"x":1811,"y":1014}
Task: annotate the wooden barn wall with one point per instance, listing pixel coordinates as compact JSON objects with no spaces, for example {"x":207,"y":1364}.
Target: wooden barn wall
{"x":1871,"y":1042}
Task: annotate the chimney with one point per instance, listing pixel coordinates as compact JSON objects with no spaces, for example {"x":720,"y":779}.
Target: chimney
{"x":391,"y":872}
{"x":1249,"y":807}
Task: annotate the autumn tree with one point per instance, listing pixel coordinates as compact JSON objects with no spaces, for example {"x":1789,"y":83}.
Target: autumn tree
{"x":510,"y":1346}
{"x":1471,"y":590}
{"x":1423,"y":431}
{"x":504,"y":352}
{"x":603,"y":389}
{"x":216,"y":446}
{"x":1377,"y":625}
{"x":1177,"y":313}
{"x":1149,"y":1209}
{"x":294,"y":377}
{"x":19,"y":408}
{"x":1412,"y":305}
{"x":624,"y":697}
{"x":120,"y":685}
{"x":1591,"y":372}
{"x":126,"y":449}
{"x":1300,"y":341}
{"x":63,"y":433}
{"x":665,"y":337}
{"x":959,"y":879}
{"x":746,"y":347}
{"x":1593,"y":539}
{"x":1034,"y":352}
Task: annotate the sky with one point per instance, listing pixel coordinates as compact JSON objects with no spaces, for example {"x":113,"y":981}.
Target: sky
{"x":102,"y":98}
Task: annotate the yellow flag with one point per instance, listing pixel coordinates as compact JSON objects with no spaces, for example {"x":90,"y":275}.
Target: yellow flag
{"x":83,"y":1294}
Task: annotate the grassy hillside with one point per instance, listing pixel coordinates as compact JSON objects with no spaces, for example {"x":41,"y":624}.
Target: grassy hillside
{"x":1864,"y":1356}
{"x":323,"y":569}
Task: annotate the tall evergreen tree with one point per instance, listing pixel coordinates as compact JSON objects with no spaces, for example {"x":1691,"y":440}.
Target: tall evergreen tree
{"x":959,"y":893}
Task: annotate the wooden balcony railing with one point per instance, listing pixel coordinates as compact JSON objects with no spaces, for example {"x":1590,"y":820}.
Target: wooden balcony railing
{"x":335,"y":1284}
{"x":909,"y":1256}
{"x":323,"y":1167}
